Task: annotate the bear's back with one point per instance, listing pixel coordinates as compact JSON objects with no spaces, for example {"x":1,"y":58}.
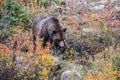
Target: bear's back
{"x":41,"y":24}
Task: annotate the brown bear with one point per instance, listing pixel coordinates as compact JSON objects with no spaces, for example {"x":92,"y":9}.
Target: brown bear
{"x":50,"y":29}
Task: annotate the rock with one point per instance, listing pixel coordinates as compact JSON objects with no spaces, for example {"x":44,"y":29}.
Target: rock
{"x":19,"y":60}
{"x":56,"y":59}
{"x":71,"y":75}
{"x":98,"y":7}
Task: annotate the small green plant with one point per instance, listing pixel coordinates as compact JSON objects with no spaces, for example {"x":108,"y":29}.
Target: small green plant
{"x":45,"y":3}
{"x":25,"y":48}
{"x":15,"y":15}
{"x":6,"y":31}
{"x":116,"y":63}
{"x":57,"y":1}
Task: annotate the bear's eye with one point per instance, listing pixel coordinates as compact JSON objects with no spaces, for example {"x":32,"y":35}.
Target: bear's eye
{"x":54,"y":32}
{"x":64,"y":30}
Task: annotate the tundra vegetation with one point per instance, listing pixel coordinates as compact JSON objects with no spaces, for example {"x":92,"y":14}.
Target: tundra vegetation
{"x":92,"y":42}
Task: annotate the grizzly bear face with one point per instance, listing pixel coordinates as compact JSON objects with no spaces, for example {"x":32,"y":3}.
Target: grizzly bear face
{"x":57,"y":35}
{"x":50,"y":29}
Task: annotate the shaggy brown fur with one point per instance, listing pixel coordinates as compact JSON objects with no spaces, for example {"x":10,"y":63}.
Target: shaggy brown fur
{"x":50,"y":29}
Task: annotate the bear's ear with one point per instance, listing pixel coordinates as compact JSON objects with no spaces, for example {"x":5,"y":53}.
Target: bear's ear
{"x":64,"y":29}
{"x":54,"y":32}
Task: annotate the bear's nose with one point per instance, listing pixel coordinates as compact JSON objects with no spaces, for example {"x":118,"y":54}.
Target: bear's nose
{"x":61,"y":44}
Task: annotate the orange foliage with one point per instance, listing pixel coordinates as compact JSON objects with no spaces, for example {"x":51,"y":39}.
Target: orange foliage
{"x":90,"y":76}
{"x":40,"y":49}
{"x":101,"y":17}
{"x":106,"y":74}
{"x":100,"y":76}
{"x":109,"y":64}
{"x":2,"y":2}
{"x":4,"y":49}
{"x":76,"y":26}
{"x":25,"y":39}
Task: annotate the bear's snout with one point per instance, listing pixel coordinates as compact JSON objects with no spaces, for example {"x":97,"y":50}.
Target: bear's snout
{"x":61,"y":44}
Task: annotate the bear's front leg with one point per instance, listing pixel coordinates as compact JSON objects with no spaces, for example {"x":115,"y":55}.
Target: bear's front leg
{"x":43,"y":42}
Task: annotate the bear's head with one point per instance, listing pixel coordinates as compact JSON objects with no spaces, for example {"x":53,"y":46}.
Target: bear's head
{"x":57,"y":33}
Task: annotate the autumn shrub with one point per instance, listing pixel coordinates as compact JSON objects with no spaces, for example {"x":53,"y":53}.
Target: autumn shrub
{"x":6,"y":66}
{"x":2,"y":7}
{"x":107,"y":70}
{"x":116,"y":65}
{"x":19,"y":48}
{"x":14,"y":14}
{"x":6,"y":32}
{"x":45,"y":3}
{"x":105,"y":74}
{"x":37,"y":67}
{"x":34,"y":65}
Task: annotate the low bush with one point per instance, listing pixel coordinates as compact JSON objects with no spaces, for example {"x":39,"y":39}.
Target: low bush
{"x":33,"y":67}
